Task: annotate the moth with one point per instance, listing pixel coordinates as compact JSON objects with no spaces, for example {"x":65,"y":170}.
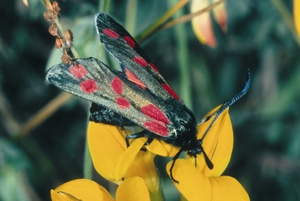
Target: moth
{"x":137,"y":95}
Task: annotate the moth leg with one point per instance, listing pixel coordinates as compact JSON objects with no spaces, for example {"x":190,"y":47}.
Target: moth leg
{"x":143,"y":133}
{"x":172,"y":166}
{"x":127,"y":142}
{"x":137,"y":135}
{"x":126,"y":139}
{"x":150,"y":139}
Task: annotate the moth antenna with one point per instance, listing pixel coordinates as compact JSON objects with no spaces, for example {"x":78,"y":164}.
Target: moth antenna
{"x":229,"y":103}
{"x":205,"y":119}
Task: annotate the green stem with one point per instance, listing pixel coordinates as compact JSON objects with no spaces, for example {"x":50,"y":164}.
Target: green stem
{"x":130,"y":17}
{"x":104,"y":6}
{"x":182,"y":55}
{"x":62,"y":30}
{"x":87,"y":163}
{"x":157,"y":196}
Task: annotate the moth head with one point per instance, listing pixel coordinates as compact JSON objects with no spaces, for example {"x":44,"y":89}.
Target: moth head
{"x":195,"y":148}
{"x":183,"y":129}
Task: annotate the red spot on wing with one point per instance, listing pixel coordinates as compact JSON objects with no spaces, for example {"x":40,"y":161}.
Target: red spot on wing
{"x":110,"y":33}
{"x":130,"y":41}
{"x":156,"y":128}
{"x":170,"y":91}
{"x":131,"y":77}
{"x":140,"y":61}
{"x":122,"y":103}
{"x":78,"y":70}
{"x":153,"y":67}
{"x":89,"y":86}
{"x":155,"y":113}
{"x":116,"y":85}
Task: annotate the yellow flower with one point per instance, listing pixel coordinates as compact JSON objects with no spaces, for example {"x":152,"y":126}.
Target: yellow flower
{"x":202,"y":24}
{"x":115,"y":161}
{"x":297,"y":15}
{"x":201,"y":183}
{"x":133,"y":188}
{"x":133,"y":169}
{"x":130,"y":167}
{"x":80,"y":189}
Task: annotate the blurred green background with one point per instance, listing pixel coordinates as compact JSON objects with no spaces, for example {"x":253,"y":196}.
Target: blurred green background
{"x":266,"y":121}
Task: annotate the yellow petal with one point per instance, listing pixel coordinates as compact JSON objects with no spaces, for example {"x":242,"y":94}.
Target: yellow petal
{"x":115,"y":161}
{"x":133,"y":188}
{"x":228,"y":188}
{"x":25,"y":2}
{"x":161,"y":148}
{"x":202,"y":24}
{"x":218,"y":144}
{"x":220,"y":15}
{"x":297,"y":15}
{"x":144,"y":167}
{"x":193,"y":185}
{"x":128,"y":156}
{"x":106,"y":144}
{"x":80,"y":189}
{"x":134,"y":162}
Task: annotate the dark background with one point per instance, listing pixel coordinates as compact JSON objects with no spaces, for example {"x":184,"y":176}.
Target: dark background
{"x":266,"y":121}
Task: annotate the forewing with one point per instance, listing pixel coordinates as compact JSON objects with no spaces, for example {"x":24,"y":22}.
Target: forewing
{"x":92,"y":80}
{"x":135,"y":64}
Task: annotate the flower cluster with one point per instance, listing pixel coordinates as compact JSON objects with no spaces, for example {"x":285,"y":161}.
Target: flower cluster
{"x":133,"y":168}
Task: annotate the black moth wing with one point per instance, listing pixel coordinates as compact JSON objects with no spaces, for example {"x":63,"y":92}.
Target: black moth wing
{"x":94,"y":81}
{"x":136,"y":65}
